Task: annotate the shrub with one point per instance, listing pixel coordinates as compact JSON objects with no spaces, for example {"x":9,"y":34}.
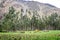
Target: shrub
{"x":37,"y":30}
{"x":22,"y":31}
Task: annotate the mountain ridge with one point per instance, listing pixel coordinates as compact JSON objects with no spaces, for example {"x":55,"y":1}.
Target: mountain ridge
{"x":41,"y":8}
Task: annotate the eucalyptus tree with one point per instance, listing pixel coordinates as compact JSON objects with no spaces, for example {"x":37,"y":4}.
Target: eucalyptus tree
{"x":9,"y":20}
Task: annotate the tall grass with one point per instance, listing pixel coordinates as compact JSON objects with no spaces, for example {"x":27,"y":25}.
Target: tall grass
{"x":31,"y":36}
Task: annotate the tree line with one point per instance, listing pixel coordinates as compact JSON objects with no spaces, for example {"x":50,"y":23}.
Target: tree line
{"x":12,"y":22}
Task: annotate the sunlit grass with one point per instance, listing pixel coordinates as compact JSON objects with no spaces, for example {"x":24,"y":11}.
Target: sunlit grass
{"x":31,"y":35}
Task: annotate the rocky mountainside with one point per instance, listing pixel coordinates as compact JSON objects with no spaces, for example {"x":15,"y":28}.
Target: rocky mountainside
{"x":40,"y":9}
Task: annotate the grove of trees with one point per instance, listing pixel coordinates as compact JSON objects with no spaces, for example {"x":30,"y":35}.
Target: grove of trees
{"x":12,"y":22}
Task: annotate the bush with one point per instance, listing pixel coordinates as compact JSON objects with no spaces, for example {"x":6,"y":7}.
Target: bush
{"x":22,"y":31}
{"x":37,"y":30}
{"x":3,"y":31}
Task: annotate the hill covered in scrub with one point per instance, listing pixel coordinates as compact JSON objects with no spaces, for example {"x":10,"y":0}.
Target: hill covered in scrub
{"x":28,"y":7}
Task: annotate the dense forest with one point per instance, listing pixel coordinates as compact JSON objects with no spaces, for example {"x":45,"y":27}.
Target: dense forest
{"x":12,"y":22}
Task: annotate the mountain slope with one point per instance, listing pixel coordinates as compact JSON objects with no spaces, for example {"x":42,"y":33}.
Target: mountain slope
{"x":40,"y":9}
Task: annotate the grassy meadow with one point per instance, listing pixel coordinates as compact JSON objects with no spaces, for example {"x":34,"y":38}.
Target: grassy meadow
{"x":31,"y":35}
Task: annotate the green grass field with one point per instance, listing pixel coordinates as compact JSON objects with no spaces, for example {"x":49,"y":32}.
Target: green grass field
{"x":31,"y":35}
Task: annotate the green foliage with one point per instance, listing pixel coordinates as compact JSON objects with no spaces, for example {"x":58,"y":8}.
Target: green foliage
{"x":52,"y":21}
{"x":8,"y":22}
{"x":13,"y":21}
{"x":52,"y":35}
